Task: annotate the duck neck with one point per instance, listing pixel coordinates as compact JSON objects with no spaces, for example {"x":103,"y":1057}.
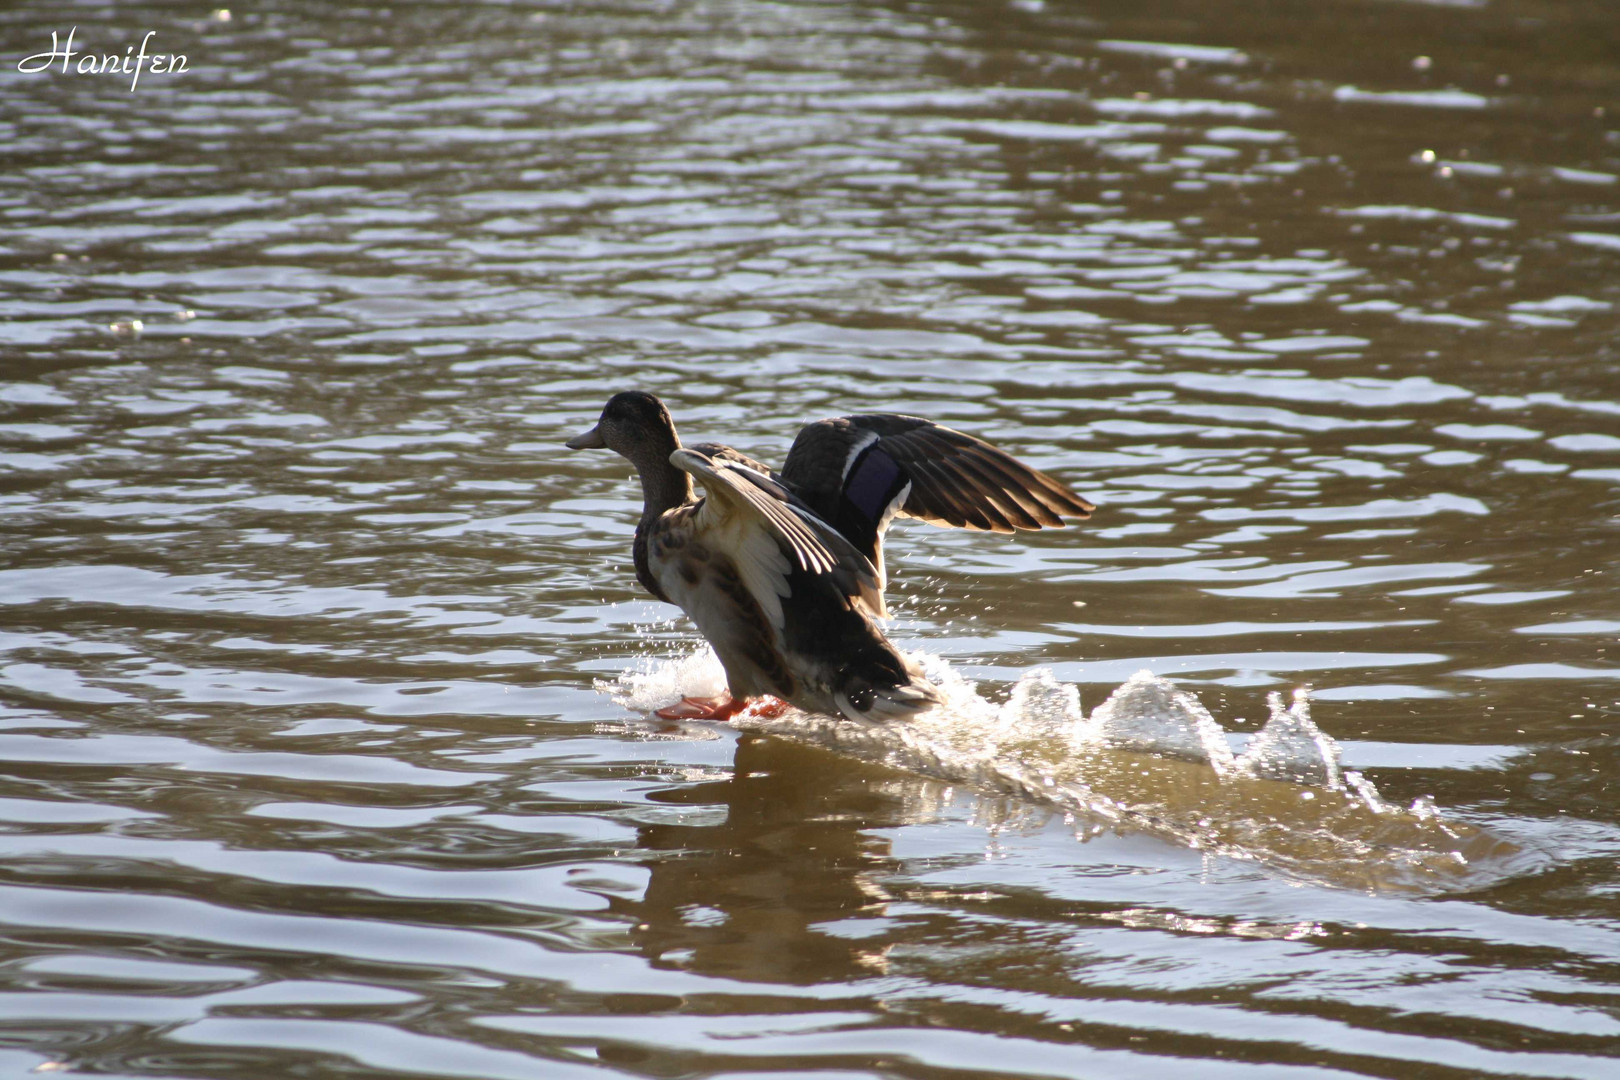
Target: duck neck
{"x":663,"y":486}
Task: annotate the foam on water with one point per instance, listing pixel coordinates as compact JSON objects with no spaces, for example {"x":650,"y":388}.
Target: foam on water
{"x":1150,"y":758}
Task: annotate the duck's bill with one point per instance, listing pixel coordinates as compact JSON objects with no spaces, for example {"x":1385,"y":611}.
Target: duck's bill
{"x":587,"y":440}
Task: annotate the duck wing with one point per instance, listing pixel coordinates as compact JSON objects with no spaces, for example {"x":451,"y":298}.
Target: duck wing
{"x":768,"y":532}
{"x":722,"y":452}
{"x":860,"y":472}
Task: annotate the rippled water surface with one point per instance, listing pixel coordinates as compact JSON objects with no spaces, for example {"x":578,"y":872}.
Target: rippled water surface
{"x":304,"y":765}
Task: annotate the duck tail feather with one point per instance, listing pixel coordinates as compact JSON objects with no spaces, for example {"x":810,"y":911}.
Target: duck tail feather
{"x":866,"y":703}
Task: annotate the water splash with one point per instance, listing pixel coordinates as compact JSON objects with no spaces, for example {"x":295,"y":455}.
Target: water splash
{"x":1292,"y":747}
{"x":1150,"y":758}
{"x":1151,"y":715}
{"x":654,"y":683}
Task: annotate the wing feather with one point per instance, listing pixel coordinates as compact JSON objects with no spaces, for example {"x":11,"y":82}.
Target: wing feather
{"x":942,"y":489}
{"x":762,"y":510}
{"x":1020,"y":508}
{"x":722,"y":452}
{"x":957,"y":480}
{"x":965,"y":469}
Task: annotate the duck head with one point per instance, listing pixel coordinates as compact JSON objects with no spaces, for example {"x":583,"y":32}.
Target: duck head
{"x":633,"y":424}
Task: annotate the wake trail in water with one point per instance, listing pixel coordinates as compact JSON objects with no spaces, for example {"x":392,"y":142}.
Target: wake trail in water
{"x":1150,"y":758}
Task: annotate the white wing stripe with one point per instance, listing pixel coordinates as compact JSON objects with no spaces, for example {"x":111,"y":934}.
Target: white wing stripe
{"x":867,"y":439}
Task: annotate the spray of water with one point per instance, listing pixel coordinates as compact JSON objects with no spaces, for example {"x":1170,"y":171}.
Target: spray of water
{"x":1151,"y":759}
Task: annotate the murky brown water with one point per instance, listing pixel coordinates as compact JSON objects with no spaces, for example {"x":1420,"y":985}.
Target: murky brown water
{"x":301,"y":601}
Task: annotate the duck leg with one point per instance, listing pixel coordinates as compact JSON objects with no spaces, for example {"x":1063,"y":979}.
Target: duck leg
{"x":721,"y":708}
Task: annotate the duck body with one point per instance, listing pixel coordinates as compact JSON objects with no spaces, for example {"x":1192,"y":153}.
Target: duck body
{"x":783,"y":574}
{"x":809,"y":642}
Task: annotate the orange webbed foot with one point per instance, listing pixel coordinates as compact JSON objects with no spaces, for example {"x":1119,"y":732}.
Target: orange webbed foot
{"x":691,"y":708}
{"x":722,"y":708}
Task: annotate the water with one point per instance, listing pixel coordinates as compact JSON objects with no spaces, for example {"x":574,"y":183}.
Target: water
{"x":1151,"y":759}
{"x":303,"y":606}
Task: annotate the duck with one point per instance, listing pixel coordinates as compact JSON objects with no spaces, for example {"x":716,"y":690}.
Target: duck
{"x":783,"y":573}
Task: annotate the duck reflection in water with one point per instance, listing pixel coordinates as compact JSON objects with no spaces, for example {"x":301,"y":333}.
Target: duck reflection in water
{"x":744,"y":897}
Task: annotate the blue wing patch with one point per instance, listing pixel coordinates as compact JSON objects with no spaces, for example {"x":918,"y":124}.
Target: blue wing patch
{"x":873,"y":482}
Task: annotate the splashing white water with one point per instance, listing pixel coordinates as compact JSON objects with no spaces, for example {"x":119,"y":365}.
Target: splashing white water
{"x":1151,"y":715}
{"x":1150,"y":757}
{"x":1147,"y":714}
{"x":1292,"y":747}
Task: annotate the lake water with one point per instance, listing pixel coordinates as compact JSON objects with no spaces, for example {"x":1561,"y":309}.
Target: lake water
{"x":312,"y":755}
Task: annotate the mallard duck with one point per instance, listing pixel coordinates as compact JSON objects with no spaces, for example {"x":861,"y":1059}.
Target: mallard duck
{"x":783,"y":573}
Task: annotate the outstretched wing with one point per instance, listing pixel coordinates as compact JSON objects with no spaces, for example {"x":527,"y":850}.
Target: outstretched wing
{"x":722,"y":452}
{"x":859,"y":472}
{"x":768,"y":531}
